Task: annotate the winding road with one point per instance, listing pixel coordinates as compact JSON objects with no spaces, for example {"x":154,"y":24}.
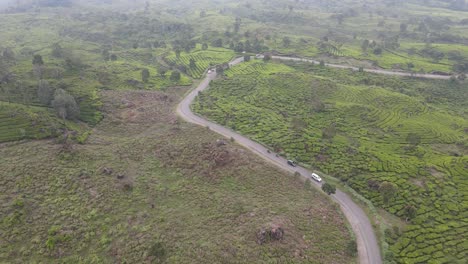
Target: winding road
{"x":377,"y":71}
{"x":368,"y":248}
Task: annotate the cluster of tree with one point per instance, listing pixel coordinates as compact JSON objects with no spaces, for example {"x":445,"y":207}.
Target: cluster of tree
{"x":372,"y":45}
{"x":64,"y":104}
{"x":432,"y":53}
{"x":7,"y":59}
{"x":247,"y":46}
{"x":183,"y":44}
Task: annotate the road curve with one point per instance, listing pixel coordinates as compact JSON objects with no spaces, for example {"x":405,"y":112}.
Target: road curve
{"x":368,"y":248}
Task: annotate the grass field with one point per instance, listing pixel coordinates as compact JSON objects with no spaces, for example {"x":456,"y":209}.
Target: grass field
{"x":358,"y":128}
{"x":170,"y":194}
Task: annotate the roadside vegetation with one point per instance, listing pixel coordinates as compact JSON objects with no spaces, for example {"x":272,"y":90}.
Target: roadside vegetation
{"x":401,"y":143}
{"x":148,"y":188}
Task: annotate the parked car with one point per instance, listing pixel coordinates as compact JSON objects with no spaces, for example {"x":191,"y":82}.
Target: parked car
{"x":316,"y":177}
{"x":292,"y":163}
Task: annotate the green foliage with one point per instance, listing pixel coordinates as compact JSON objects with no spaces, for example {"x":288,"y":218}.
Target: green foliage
{"x":352,"y":248}
{"x":388,"y":191}
{"x":37,"y":60}
{"x":145,"y":74}
{"x":44,"y":92}
{"x":175,"y":76}
{"x":65,"y":105}
{"x":158,"y":251}
{"x":329,"y":188}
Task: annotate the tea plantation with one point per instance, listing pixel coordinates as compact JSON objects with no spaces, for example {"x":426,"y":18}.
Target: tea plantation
{"x":401,"y":143}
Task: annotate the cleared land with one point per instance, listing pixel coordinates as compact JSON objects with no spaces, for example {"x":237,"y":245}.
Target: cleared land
{"x":173,"y":194}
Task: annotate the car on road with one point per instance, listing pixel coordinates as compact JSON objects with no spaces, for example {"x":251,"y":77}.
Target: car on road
{"x":292,"y":163}
{"x":316,"y":177}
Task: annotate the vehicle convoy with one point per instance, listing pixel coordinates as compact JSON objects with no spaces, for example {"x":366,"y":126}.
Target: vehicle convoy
{"x":316,"y":177}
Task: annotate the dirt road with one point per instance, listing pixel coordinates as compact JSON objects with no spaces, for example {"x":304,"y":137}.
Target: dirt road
{"x":368,"y":248}
{"x":384,"y":72}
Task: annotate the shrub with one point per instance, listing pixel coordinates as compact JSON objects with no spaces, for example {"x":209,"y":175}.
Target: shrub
{"x":351,"y":248}
{"x":158,"y":251}
{"x":329,"y":188}
{"x":65,"y":105}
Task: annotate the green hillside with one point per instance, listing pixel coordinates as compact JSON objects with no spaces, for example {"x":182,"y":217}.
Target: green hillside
{"x":367,"y":131}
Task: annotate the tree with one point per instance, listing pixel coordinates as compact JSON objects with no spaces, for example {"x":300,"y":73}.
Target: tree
{"x":351,"y":248}
{"x":365,"y":45}
{"x":204,"y":46}
{"x":193,"y":63}
{"x":57,"y":50}
{"x":322,"y":63}
{"x":286,"y":42}
{"x":73,"y":61}
{"x":113,"y":57}
{"x":388,"y":191}
{"x":329,"y":188}
{"x":413,"y":139}
{"x":410,"y":211}
{"x":247,"y":58}
{"x":177,"y":53}
{"x":329,"y":132}
{"x":202,"y":13}
{"x":218,"y":43}
{"x":378,"y":51}
{"x":162,"y":72}
{"x":44,"y":92}
{"x":266,"y":57}
{"x":65,"y":105}
{"x":175,"y":76}
{"x":237,"y":25}
{"x":239,"y":47}
{"x":145,"y":74}
{"x":8,"y":54}
{"x":37,"y":60}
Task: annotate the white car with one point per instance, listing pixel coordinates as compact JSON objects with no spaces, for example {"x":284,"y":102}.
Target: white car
{"x":316,"y":177}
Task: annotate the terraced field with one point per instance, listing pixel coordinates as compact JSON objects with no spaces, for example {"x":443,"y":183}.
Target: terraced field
{"x":365,"y":130}
{"x":203,"y":59}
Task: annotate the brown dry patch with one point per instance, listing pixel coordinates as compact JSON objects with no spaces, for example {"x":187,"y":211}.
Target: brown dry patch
{"x":436,"y":173}
{"x":418,"y":182}
{"x":202,"y":158}
{"x":134,"y":112}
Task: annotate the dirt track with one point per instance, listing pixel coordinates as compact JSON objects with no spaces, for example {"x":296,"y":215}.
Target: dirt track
{"x":368,"y":248}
